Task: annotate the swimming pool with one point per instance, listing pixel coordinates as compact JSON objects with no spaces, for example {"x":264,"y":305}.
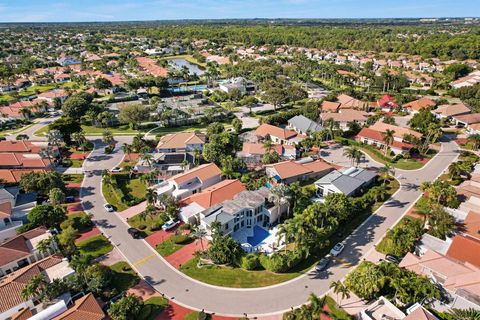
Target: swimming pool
{"x":259,"y":234}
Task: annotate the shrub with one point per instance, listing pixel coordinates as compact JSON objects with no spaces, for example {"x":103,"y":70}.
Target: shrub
{"x":155,"y":226}
{"x":180,"y":238}
{"x":142,"y":227}
{"x":250,"y":262}
{"x":279,"y":262}
{"x":185,"y":226}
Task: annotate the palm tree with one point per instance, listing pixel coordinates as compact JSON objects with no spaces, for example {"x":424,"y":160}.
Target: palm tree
{"x":386,"y":171}
{"x":107,"y":137}
{"x":150,"y":196}
{"x":47,"y":153}
{"x":267,"y":145}
{"x":127,"y":149}
{"x":25,"y":112}
{"x":331,"y":126}
{"x":45,"y":245}
{"x":34,"y":287}
{"x":339,"y":288}
{"x":55,"y":138}
{"x":147,"y":158}
{"x":388,"y":138}
{"x":455,"y":170}
{"x":196,"y":155}
{"x":465,"y":314}
{"x":80,"y":139}
{"x":354,"y":154}
{"x":200,"y":234}
{"x":280,"y":194}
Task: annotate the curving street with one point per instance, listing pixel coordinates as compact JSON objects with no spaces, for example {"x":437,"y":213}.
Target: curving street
{"x":259,"y":301}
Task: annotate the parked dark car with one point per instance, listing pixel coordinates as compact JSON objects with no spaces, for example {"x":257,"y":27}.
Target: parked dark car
{"x":392,"y":258}
{"x":322,"y":265}
{"x":135,"y":233}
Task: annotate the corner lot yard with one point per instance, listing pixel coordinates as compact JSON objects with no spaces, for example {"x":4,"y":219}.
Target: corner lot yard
{"x":95,"y":246}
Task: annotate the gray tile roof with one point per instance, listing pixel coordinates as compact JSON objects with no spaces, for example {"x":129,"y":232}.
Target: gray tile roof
{"x":347,"y":180}
{"x":304,"y":124}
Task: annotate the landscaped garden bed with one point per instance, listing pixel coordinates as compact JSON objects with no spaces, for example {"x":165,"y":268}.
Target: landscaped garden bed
{"x":122,"y":192}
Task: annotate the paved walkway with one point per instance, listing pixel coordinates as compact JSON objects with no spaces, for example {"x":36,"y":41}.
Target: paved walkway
{"x":258,"y":301}
{"x":133,"y":211}
{"x":88,"y":234}
{"x":158,"y":237}
{"x":183,"y":255}
{"x":110,"y":258}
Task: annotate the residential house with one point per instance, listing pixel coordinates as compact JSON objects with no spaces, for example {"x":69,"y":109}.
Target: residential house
{"x":185,"y":184}
{"x":292,"y":171}
{"x":416,"y":105}
{"x":67,"y":61}
{"x":51,"y":95}
{"x":387,"y":103}
{"x":346,"y":116}
{"x":23,"y":161}
{"x":8,"y":226}
{"x":348,"y":102}
{"x":330,"y":106}
{"x":150,"y":67}
{"x":62,"y":77}
{"x":11,"y":286}
{"x":183,"y":143}
{"x":374,"y":135}
{"x":469,"y":80}
{"x":278,"y":135}
{"x":381,"y":309}
{"x":465,"y":120}
{"x":462,"y":247}
{"x":24,"y":146}
{"x":21,"y":250}
{"x":346,"y":180}
{"x":302,"y":125}
{"x":252,"y":153}
{"x":191,"y":206}
{"x":461,"y":280}
{"x":87,"y":307}
{"x":243,"y":85}
{"x":239,"y":216}
{"x":449,"y":111}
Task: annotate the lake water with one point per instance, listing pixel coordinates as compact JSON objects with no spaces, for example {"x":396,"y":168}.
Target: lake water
{"x":192,"y":68}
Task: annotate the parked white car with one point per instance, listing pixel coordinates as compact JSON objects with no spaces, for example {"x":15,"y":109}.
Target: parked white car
{"x":108,"y":207}
{"x":116,"y":169}
{"x":337,"y":249}
{"x":169,"y":225}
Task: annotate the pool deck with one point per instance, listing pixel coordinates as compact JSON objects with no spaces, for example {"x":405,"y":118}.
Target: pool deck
{"x":266,"y":245}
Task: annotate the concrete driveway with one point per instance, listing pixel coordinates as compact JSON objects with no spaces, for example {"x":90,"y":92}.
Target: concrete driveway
{"x":258,"y":301}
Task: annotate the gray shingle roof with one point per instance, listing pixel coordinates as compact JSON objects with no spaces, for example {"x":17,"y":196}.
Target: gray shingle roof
{"x":304,"y":124}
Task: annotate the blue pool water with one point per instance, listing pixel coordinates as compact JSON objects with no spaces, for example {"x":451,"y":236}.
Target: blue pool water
{"x":268,"y":185}
{"x":259,"y":234}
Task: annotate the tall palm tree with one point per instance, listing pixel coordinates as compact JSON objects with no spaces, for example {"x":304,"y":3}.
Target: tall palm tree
{"x":455,"y":170}
{"x":200,"y":234}
{"x":465,"y":314}
{"x":48,"y":153}
{"x":354,"y":154}
{"x":331,"y":126}
{"x":385,"y":171}
{"x":80,"y":139}
{"x":147,"y":158}
{"x":281,"y":194}
{"x":475,"y":139}
{"x":55,"y":138}
{"x":34,"y":287}
{"x":127,"y":149}
{"x":150,"y":196}
{"x":267,"y":145}
{"x":388,"y":138}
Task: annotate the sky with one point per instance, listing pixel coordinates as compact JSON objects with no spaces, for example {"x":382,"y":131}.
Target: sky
{"x":128,"y":10}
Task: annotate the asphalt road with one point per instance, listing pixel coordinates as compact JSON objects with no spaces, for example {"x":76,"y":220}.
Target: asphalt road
{"x":39,"y":123}
{"x":259,"y":301}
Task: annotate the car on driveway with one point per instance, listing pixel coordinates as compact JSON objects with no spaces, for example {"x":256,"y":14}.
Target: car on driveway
{"x":116,"y":169}
{"x":108,"y":207}
{"x":392,"y":258}
{"x":337,"y":249}
{"x":169,"y":225}
{"x":322,"y":265}
{"x":135,"y":233}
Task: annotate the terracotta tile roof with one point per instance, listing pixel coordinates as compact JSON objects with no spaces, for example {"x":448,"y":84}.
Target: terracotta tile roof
{"x":85,"y":308}
{"x":330,"y":106}
{"x":14,"y":175}
{"x":22,"y":315}
{"x":217,"y":193}
{"x":115,"y":79}
{"x":17,"y":248}
{"x":5,"y":210}
{"x":180,"y":140}
{"x":452,"y":110}
{"x":386,"y":100}
{"x":150,"y":66}
{"x":472,"y":224}
{"x":288,"y":169}
{"x":420,"y":314}
{"x":348,"y":102}
{"x":465,"y":248}
{"x":399,"y":132}
{"x":267,"y":129}
{"x":378,"y":136}
{"x":259,"y":149}
{"x":22,"y":146}
{"x":12,"y":285}
{"x":468,"y":118}
{"x":8,"y":111}
{"x":346,"y":115}
{"x":416,"y":105}
{"x":20,"y":160}
{"x":203,"y":172}
{"x":55,"y":93}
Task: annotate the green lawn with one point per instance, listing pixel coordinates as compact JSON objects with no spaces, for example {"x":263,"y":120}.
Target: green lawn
{"x":200,"y":127}
{"x":126,"y":191}
{"x":403,"y":164}
{"x":78,"y":221}
{"x":34,"y":89}
{"x":95,"y":246}
{"x":147,"y":224}
{"x":168,"y":247}
{"x":74,"y":178}
{"x":124,"y":276}
{"x":152,"y":307}
{"x":72,"y":163}
{"x":94,"y":131}
{"x":192,"y":316}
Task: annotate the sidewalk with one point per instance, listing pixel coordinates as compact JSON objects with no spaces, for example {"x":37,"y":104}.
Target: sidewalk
{"x":133,"y":211}
{"x":185,"y":254}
